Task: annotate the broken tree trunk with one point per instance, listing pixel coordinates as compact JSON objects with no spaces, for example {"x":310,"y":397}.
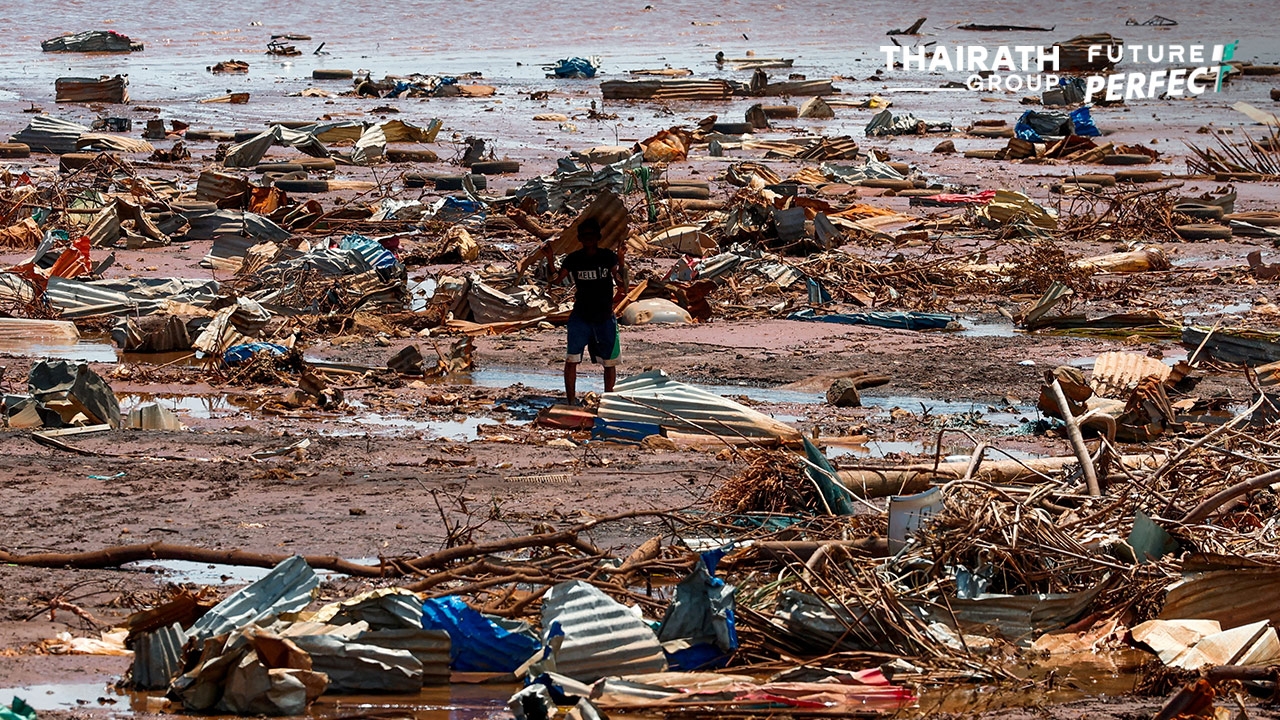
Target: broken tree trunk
{"x":909,"y":479}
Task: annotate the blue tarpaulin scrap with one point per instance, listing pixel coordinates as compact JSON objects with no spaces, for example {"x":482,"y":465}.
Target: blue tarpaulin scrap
{"x":1082,"y":123}
{"x":237,"y":354}
{"x":1034,"y":125}
{"x":479,"y":643}
{"x":899,"y":320}
{"x":623,"y":430}
{"x":378,"y":257}
{"x":701,"y":613}
{"x":575,"y":67}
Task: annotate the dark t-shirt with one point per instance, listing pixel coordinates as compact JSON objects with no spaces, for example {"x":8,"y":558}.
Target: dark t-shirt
{"x":593,"y":279}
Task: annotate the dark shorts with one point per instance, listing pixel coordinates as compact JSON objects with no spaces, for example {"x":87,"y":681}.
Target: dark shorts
{"x":599,"y":338}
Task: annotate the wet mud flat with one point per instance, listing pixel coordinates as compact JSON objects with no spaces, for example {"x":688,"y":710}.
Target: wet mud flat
{"x":405,"y":465}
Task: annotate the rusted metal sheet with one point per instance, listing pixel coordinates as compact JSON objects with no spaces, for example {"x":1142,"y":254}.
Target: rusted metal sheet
{"x":1116,"y":374}
{"x":50,"y":135}
{"x":1235,"y":596}
{"x":665,"y":90}
{"x":102,"y":90}
{"x":214,"y":186}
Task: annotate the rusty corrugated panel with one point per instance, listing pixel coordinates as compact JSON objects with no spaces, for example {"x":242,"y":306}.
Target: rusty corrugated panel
{"x":602,"y":637}
{"x":14,"y":330}
{"x":116,"y":143}
{"x":103,"y":90}
{"x":50,"y":135}
{"x":1234,"y":597}
{"x":841,"y":148}
{"x":1116,"y":374}
{"x":489,"y":304}
{"x":1021,"y":617}
{"x":214,"y":186}
{"x":666,"y":90}
{"x":1269,"y":374}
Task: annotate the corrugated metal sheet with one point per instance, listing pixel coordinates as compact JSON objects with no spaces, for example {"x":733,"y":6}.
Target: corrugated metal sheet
{"x":1116,"y":374}
{"x":430,"y":647}
{"x":571,"y":183}
{"x":113,"y":143}
{"x":103,"y":90}
{"x":24,"y":330}
{"x":655,"y":398}
{"x":372,"y":144}
{"x":489,"y":304}
{"x":157,"y":657}
{"x":601,"y":636}
{"x":287,"y":588}
{"x":1235,"y":596}
{"x":354,"y":667}
{"x":1246,"y":347}
{"x":139,"y":296}
{"x":1021,"y":617}
{"x":50,"y":135}
{"x":666,"y":90}
{"x":382,"y":609}
{"x":214,"y":186}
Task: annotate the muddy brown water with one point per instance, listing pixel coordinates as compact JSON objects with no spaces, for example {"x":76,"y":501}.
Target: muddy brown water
{"x":1058,"y":680}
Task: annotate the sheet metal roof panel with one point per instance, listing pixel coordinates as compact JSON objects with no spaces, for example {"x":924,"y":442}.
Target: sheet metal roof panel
{"x":157,"y":657}
{"x":653,"y":397}
{"x":287,"y":588}
{"x":50,"y":135}
{"x":601,"y":636}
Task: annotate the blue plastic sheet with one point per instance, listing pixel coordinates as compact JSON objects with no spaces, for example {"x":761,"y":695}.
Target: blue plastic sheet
{"x":1082,"y":122}
{"x":378,"y":257}
{"x":478,"y":643}
{"x":898,"y":320}
{"x":237,"y":354}
{"x":702,"y":614}
{"x":575,"y":67}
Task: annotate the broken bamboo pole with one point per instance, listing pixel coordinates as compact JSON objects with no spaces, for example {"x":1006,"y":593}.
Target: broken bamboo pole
{"x":1073,"y":433}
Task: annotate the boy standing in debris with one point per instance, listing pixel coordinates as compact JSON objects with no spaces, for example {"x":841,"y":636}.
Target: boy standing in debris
{"x":598,"y":286}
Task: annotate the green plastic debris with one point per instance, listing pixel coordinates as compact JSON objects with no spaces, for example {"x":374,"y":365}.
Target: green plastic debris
{"x":837,"y":498}
{"x":18,"y":710}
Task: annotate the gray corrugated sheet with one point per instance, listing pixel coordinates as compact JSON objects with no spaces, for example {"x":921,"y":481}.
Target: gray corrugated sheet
{"x":139,"y":296}
{"x":601,"y":636}
{"x":571,"y":183}
{"x":355,"y":667}
{"x":1021,"y":617}
{"x":50,"y":135}
{"x":430,"y":647}
{"x":228,"y":251}
{"x":157,"y":657}
{"x":287,"y":588}
{"x":1245,"y":347}
{"x":655,"y":398}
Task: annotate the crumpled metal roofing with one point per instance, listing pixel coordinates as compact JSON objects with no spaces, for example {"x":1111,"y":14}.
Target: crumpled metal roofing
{"x":249,"y":152}
{"x":135,"y":296}
{"x":51,"y":135}
{"x":571,"y":183}
{"x":654,"y":398}
{"x":287,"y":588}
{"x":601,"y":636}
{"x":157,"y":657}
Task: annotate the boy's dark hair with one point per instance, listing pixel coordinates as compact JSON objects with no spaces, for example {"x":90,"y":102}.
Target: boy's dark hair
{"x":589,"y":226}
